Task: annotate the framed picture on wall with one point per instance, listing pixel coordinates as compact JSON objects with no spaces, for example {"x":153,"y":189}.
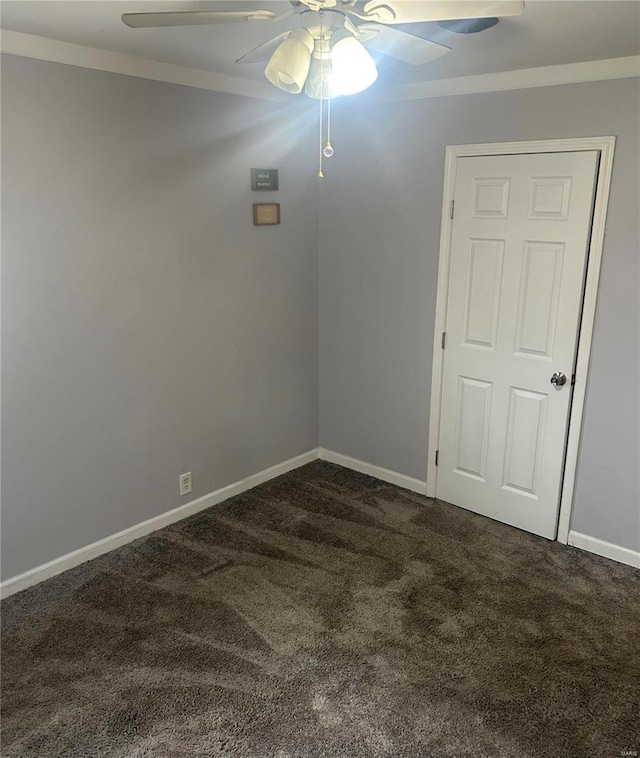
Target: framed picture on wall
{"x":266,"y":214}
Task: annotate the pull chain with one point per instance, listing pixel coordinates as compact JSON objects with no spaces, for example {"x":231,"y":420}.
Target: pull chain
{"x":320,"y":150}
{"x":328,"y":148}
{"x":321,"y":113}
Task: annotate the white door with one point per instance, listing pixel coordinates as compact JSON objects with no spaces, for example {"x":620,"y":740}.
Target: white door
{"x":519,"y":247}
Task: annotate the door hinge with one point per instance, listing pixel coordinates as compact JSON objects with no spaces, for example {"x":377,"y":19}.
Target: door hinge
{"x":437,"y":456}
{"x":444,"y":339}
{"x":451,"y":207}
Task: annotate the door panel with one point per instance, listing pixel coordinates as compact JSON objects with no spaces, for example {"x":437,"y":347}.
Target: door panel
{"x":525,"y":439}
{"x":518,"y":257}
{"x":472,"y":433}
{"x":484,"y":277}
{"x":539,"y":299}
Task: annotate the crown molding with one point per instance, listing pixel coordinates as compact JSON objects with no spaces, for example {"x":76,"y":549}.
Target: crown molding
{"x":525,"y":78}
{"x":55,"y":51}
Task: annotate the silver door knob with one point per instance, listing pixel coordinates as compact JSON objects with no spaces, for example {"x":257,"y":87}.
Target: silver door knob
{"x":558,"y":379}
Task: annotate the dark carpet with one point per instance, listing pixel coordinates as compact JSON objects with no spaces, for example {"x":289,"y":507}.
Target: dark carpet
{"x":327,"y":613}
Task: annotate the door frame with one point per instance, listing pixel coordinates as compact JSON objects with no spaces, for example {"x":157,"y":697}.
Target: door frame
{"x":606,"y":147}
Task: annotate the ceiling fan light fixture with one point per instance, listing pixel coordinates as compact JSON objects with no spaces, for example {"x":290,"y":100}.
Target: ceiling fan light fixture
{"x":289,"y":65}
{"x":352,"y":68}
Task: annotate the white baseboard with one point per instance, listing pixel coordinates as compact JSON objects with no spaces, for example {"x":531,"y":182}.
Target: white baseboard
{"x":87,"y":553}
{"x":605,"y":549}
{"x":407,"y":482}
{"x":65,"y":562}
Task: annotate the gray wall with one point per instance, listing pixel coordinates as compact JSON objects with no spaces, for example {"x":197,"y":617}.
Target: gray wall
{"x":148,"y":327}
{"x":379,"y":246}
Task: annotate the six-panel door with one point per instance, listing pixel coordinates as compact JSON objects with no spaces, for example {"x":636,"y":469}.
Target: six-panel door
{"x":518,"y":257}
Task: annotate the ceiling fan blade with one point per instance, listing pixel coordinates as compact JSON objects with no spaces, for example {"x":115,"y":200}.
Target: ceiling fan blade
{"x":401,"y":45}
{"x":263,"y":52}
{"x":194,"y":18}
{"x":410,"y":12}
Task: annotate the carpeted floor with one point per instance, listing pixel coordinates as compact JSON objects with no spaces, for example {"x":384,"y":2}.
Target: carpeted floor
{"x":326,"y":613}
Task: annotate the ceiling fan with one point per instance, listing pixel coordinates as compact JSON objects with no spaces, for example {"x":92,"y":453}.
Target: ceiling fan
{"x":325,"y":54}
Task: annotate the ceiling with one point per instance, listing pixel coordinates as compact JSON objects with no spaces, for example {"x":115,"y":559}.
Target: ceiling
{"x":549,"y":32}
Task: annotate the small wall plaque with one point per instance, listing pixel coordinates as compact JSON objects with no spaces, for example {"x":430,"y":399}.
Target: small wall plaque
{"x":266,"y":214}
{"x":264,"y":179}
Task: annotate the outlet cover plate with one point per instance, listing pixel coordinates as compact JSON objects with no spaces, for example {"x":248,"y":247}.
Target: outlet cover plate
{"x":185,"y":483}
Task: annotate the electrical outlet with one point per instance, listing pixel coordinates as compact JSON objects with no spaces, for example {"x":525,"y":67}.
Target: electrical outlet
{"x":185,"y":483}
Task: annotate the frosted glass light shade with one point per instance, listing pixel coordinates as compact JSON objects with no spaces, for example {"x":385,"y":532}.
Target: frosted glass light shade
{"x":352,"y":68}
{"x":319,"y":78}
{"x":289,"y":65}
